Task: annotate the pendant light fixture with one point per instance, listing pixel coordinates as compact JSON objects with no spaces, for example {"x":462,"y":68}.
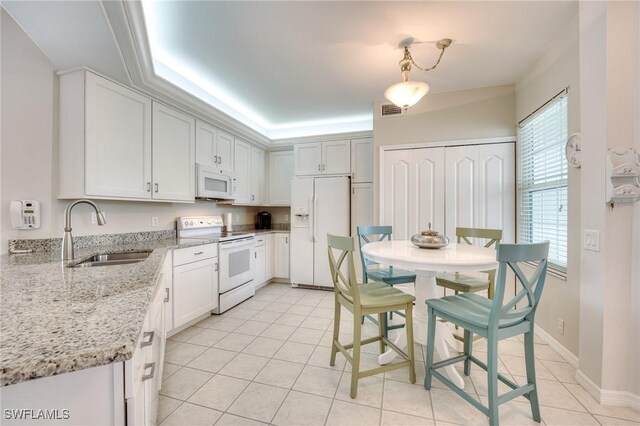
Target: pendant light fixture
{"x":407,"y":92}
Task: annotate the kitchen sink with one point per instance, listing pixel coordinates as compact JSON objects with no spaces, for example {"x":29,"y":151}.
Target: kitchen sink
{"x":113,"y":259}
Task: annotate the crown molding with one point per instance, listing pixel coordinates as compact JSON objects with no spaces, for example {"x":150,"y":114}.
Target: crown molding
{"x":319,"y":138}
{"x":126,"y":21}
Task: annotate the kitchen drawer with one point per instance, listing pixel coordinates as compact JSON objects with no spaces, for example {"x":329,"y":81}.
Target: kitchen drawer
{"x":260,"y":240}
{"x":193,"y":254}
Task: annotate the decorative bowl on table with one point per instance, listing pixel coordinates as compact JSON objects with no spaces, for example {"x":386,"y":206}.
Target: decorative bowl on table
{"x":430,"y":239}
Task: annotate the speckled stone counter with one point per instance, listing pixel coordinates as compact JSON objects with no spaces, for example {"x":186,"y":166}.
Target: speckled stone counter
{"x":56,"y":319}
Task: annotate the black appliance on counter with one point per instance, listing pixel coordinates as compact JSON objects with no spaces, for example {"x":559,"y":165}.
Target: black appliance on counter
{"x":264,"y":220}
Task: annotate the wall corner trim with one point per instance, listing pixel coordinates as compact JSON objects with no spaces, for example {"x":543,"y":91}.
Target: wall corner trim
{"x":608,"y":397}
{"x":557,"y":346}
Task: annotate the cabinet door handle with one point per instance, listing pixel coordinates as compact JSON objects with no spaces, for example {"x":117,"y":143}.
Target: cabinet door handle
{"x":255,"y":254}
{"x":324,"y":167}
{"x":216,"y":266}
{"x":148,"y":186}
{"x":166,"y":297}
{"x":319,"y":167}
{"x":220,"y":160}
{"x":198,"y":253}
{"x":253,"y":197}
{"x":157,"y":187}
{"x":286,"y":240}
{"x":147,"y":334}
{"x":151,"y":365}
{"x":215,"y":159}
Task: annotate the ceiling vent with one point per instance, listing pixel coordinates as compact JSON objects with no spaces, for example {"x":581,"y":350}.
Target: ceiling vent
{"x":390,"y":109}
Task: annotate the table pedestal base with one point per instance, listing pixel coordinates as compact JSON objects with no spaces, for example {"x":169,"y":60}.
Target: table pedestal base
{"x":426,"y":288}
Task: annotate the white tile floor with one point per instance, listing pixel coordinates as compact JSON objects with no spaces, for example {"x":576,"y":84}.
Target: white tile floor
{"x":267,"y":361}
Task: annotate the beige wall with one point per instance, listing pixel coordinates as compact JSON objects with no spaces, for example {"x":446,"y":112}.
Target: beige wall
{"x":609,"y":326}
{"x":29,"y":155}
{"x":557,"y":68}
{"x":466,"y":114}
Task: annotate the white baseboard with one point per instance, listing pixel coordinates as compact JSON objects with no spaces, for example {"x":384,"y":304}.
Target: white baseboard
{"x":608,"y":397}
{"x":557,"y":346}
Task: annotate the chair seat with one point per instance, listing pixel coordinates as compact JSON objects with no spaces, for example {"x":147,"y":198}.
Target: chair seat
{"x":461,"y":282}
{"x":376,"y":295}
{"x":469,"y":307}
{"x":391,"y":276}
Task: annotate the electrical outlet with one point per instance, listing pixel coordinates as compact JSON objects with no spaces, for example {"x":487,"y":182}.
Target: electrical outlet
{"x":94,"y":219}
{"x":561,"y":326}
{"x":154,"y":221}
{"x":591,"y":240}
{"x":286,"y":218}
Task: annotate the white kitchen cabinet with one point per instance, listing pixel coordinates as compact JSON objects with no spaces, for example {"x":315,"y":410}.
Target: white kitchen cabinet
{"x":480,"y":188}
{"x":280,"y":175}
{"x":214,"y":147}
{"x":250,"y":174}
{"x":105,"y":139}
{"x":260,"y":261}
{"x":269,"y":255}
{"x":281,"y":255}
{"x":173,"y":154}
{"x":322,"y":158}
{"x":361,"y":215}
{"x":413,"y":191}
{"x":361,"y":160}
{"x":258,"y":185}
{"x":118,"y":144}
{"x":195,"y":284}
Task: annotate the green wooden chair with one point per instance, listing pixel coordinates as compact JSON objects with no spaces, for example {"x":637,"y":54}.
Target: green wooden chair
{"x":388,"y":275}
{"x":494,"y":320}
{"x":374,"y":298}
{"x":461,"y":283}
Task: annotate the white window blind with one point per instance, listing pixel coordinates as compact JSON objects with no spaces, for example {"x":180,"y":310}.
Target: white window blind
{"x":542,"y":179}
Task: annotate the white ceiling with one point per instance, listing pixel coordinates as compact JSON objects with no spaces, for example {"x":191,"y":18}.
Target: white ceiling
{"x":281,"y":67}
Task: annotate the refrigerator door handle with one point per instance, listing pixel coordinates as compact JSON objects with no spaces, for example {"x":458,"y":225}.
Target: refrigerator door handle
{"x":311,"y":217}
{"x":315,"y":222}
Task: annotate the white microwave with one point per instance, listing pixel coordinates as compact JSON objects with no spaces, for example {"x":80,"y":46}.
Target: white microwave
{"x":213,"y":184}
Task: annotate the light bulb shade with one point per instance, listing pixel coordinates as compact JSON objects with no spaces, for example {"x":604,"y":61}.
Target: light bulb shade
{"x":406,"y":93}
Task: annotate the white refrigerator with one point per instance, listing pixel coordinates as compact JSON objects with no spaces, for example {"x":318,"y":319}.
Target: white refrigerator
{"x":319,"y":205}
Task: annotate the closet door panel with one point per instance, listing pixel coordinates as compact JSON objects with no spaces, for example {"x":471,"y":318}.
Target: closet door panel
{"x":497,"y":189}
{"x":395,"y":193}
{"x":428,"y":189}
{"x":461,"y":184}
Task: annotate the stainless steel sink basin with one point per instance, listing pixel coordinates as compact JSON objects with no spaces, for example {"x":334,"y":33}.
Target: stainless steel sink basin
{"x":113,"y":259}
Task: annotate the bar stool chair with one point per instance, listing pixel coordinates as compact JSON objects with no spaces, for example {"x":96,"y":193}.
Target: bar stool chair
{"x":374,"y":298}
{"x":494,"y":320}
{"x":389,"y":275}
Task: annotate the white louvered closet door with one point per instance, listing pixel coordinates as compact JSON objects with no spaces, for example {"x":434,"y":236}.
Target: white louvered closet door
{"x":395,"y":192}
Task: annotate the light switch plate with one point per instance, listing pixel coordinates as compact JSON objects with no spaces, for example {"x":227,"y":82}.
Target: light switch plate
{"x":591,"y":240}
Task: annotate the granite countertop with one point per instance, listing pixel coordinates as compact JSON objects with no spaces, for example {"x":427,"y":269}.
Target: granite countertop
{"x":57,"y":319}
{"x":269,"y":231}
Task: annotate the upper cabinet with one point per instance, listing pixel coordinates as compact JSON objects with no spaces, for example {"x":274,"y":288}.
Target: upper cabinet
{"x":322,"y":158}
{"x":109,"y":148}
{"x":173,"y":154}
{"x":214,"y":147}
{"x":250,"y":174}
{"x":280,"y":175}
{"x":361,"y":160}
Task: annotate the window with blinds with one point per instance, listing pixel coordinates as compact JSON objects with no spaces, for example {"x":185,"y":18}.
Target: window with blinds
{"x":542,"y":180}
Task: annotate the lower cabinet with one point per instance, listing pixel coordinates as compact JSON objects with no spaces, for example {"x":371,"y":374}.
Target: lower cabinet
{"x":195,"y":283}
{"x":268,"y":241}
{"x":281,"y":256}
{"x":260,"y":260}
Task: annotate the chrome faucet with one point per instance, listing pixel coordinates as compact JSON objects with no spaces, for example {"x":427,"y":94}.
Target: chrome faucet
{"x":67,"y":239}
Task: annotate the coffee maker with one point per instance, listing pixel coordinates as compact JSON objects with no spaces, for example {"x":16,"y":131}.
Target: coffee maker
{"x":263,"y":220}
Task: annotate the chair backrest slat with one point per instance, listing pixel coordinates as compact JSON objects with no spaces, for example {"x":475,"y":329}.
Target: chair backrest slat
{"x":367,"y":234}
{"x":509,"y":255}
{"x":347,"y":286}
{"x":493,"y":235}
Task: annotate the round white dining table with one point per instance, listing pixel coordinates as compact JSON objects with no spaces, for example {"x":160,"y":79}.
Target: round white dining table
{"x":426,"y":263}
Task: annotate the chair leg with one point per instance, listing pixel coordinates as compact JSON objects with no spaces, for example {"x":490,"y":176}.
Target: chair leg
{"x":468,"y":347}
{"x":492,"y":379}
{"x":355,"y":366}
{"x":336,"y":332}
{"x":385,"y":325}
{"x":431,"y":337}
{"x":381,"y":330}
{"x":531,"y":374}
{"x":410,"y":343}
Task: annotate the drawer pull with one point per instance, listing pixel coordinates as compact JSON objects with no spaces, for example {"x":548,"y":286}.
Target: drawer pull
{"x":149,"y":342}
{"x":151,"y":365}
{"x":166,"y":297}
{"x":216,"y":266}
{"x":198,"y":253}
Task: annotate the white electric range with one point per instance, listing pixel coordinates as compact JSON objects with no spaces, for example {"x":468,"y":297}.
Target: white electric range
{"x":236,"y":252}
